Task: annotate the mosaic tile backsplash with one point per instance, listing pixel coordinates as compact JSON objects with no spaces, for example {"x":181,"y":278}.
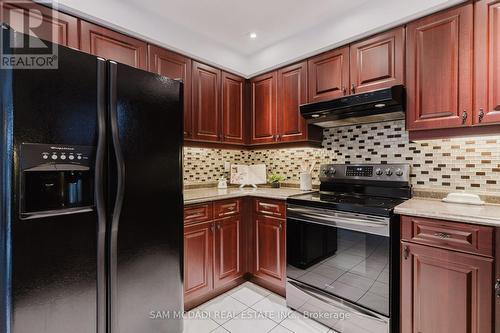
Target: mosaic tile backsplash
{"x":470,"y":164}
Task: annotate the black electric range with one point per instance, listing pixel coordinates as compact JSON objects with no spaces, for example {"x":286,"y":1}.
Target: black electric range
{"x":342,"y":247}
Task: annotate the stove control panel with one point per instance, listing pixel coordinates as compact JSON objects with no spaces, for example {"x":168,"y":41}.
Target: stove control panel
{"x":374,"y":172}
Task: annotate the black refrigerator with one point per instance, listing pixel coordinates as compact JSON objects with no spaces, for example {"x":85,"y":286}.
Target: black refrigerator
{"x":91,"y":200}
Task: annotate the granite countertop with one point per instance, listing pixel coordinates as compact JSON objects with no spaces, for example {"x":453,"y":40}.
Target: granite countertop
{"x":488,"y":214}
{"x":211,"y":194}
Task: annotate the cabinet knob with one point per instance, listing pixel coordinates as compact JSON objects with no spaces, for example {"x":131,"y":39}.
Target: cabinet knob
{"x":353,"y":88}
{"x":344,"y":90}
{"x":406,"y":252}
{"x":497,"y":288}
{"x":280,"y":225}
{"x":212,"y":228}
{"x":464,"y":117}
{"x":218,"y":226}
{"x":481,"y":114}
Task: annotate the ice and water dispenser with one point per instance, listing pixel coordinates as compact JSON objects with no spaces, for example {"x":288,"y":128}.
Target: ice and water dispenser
{"x":56,"y":179}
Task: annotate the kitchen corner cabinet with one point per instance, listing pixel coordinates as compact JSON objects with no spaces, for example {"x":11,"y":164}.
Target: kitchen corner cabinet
{"x":329,"y":75}
{"x":446,"y":277}
{"x":264,"y":108}
{"x":60,"y":29}
{"x":378,"y":61}
{"x":112,"y":45}
{"x":175,"y":66}
{"x":233,"y":116}
{"x":214,"y":249}
{"x":275,"y":113}
{"x":218,"y":105}
{"x":487,"y":62}
{"x":269,"y":268}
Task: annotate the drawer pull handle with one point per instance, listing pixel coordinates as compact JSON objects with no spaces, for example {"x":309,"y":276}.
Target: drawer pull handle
{"x":442,"y":235}
{"x":195,"y":215}
{"x":406,"y":252}
{"x":497,"y":288}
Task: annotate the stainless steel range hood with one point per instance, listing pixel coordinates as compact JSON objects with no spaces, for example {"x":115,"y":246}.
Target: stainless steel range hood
{"x":369,"y":107}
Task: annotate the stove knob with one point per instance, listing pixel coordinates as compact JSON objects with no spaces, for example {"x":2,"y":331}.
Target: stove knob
{"x":332,"y":171}
{"x":379,"y":172}
{"x":399,"y":172}
{"x":388,"y":172}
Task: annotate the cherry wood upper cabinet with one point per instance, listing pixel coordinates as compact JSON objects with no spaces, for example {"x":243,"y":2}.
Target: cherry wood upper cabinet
{"x":174,"y":66}
{"x":292,"y":92}
{"x":269,"y":249}
{"x":329,"y":75}
{"x":439,"y":70}
{"x":263,"y":110}
{"x":445,"y":291}
{"x":487,"y":61}
{"x":228,"y":257}
{"x":41,"y":21}
{"x":232,"y":108}
{"x":378,"y":62}
{"x":206,"y":102}
{"x":112,"y":45}
{"x":198,"y":257}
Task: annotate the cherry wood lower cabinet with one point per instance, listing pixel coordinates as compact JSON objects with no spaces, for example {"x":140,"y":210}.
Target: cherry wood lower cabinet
{"x":269,"y":247}
{"x":214,"y":250}
{"x":228,"y":258}
{"x":198,"y":257}
{"x":444,"y":289}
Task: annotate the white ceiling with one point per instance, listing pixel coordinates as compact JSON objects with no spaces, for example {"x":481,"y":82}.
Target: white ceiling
{"x":217,"y":31}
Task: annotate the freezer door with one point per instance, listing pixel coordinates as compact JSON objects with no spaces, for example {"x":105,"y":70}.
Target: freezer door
{"x":50,"y":262}
{"x":145,"y":197}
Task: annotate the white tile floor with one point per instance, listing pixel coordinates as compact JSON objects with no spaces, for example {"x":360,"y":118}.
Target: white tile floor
{"x":249,"y":309}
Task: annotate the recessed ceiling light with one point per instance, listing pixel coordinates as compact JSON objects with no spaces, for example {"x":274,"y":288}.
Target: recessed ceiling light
{"x":253,"y":35}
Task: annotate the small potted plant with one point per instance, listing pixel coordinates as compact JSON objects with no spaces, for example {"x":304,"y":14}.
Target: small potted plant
{"x":275,"y":180}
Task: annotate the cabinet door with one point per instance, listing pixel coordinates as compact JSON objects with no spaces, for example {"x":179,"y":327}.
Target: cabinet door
{"x":487,"y":61}
{"x":329,"y":75}
{"x":292,"y":92}
{"x":43,"y":22}
{"x":175,"y":66}
{"x":232,"y":108}
{"x":228,"y":251}
{"x":378,"y":62}
{"x":198,"y":256}
{"x":270,"y":249}
{"x":445,"y":291}
{"x":111,"y":45}
{"x":439,"y":70}
{"x":206,"y":102}
{"x":264,"y":108}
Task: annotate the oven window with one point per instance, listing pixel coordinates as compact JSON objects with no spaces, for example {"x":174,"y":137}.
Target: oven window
{"x":348,"y":264}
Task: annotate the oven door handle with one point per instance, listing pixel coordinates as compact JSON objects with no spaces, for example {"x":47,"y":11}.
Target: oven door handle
{"x":331,"y":218}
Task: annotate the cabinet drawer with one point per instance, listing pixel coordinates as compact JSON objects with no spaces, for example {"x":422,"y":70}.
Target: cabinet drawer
{"x":274,"y":208}
{"x":227,"y":208}
{"x":450,"y":235}
{"x":198,"y":213}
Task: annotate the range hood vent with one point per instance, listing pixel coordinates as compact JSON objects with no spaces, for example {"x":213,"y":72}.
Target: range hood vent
{"x":368,"y":107}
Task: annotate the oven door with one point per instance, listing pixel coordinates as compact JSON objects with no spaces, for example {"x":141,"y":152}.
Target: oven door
{"x":342,"y":254}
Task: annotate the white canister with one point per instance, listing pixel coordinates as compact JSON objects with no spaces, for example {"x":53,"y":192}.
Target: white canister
{"x":305,"y":181}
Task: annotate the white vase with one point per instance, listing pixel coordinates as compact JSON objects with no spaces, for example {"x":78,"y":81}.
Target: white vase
{"x":305,"y":181}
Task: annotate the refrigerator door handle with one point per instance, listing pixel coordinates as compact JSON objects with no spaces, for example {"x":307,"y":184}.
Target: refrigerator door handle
{"x":120,"y":189}
{"x":99,"y":195}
